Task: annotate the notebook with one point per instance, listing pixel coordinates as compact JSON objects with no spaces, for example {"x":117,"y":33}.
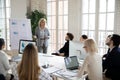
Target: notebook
{"x":71,"y":62}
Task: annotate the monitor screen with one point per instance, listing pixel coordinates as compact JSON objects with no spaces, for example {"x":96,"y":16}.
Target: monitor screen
{"x":71,"y":62}
{"x":23,"y":43}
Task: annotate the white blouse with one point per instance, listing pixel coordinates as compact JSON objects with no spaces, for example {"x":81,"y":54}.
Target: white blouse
{"x":93,"y":65}
{"x":4,"y":63}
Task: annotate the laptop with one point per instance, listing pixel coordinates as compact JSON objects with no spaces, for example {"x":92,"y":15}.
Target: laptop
{"x":71,"y":63}
{"x":22,"y":45}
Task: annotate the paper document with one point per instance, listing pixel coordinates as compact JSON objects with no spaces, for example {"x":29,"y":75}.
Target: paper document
{"x":51,"y":69}
{"x":67,"y":73}
{"x":45,"y":55}
{"x":16,"y":58}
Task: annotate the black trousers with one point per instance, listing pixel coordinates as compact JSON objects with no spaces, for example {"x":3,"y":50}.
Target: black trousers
{"x":2,"y":77}
{"x":12,"y":77}
{"x":87,"y":78}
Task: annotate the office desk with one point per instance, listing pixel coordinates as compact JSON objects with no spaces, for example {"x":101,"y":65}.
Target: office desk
{"x":57,"y":62}
{"x":44,"y":59}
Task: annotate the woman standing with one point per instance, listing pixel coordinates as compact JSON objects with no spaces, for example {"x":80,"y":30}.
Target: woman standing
{"x":92,"y":63}
{"x":42,"y":34}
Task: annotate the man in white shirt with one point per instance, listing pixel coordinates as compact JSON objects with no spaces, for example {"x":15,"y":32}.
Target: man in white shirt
{"x":82,"y":39}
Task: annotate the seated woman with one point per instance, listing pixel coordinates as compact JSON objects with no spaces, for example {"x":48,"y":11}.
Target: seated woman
{"x":29,"y":69}
{"x":92,"y":63}
{"x":4,"y":62}
{"x":64,"y":51}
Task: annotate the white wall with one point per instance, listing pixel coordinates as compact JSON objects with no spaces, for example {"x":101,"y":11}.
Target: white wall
{"x":40,"y":5}
{"x":74,"y":18}
{"x":18,"y":8}
{"x":117,"y":17}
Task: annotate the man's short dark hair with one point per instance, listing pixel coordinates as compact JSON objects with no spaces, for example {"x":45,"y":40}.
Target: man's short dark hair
{"x":84,"y":36}
{"x":109,"y":36}
{"x":116,"y":39}
{"x":2,"y":42}
{"x":70,"y":35}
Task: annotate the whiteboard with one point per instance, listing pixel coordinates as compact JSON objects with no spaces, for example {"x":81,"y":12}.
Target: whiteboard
{"x":76,"y":49}
{"x":19,"y":29}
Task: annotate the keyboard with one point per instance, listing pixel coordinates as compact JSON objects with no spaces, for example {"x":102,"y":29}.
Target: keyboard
{"x":16,"y":58}
{"x":75,"y":70}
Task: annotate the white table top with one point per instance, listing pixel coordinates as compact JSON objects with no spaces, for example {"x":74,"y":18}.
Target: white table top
{"x":56,"y":61}
{"x":52,"y":60}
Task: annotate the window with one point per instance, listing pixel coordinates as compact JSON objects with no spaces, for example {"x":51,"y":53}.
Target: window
{"x":98,"y":20}
{"x":57,"y":17}
{"x":4,"y":21}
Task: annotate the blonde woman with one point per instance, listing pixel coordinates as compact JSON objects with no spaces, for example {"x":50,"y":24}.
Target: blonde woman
{"x":42,"y":34}
{"x":28,"y":69}
{"x":92,"y":63}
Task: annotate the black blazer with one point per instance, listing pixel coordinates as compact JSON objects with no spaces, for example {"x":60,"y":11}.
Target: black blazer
{"x":65,"y":49}
{"x":112,"y":64}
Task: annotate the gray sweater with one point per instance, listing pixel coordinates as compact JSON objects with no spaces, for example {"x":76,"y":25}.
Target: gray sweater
{"x":42,"y":34}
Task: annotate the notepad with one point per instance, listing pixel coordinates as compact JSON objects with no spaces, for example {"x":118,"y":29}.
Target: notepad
{"x":51,"y":69}
{"x":67,"y":73}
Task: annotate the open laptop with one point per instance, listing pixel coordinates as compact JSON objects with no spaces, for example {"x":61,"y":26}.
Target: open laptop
{"x":71,"y":63}
{"x":22,"y":45}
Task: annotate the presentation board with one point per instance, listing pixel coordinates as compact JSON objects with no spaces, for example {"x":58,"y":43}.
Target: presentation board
{"x":19,"y":29}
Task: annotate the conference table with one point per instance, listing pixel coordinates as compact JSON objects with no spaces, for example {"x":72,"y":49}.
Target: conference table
{"x":54,"y":65}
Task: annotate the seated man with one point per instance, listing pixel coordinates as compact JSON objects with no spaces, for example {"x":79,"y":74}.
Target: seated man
{"x":83,"y":52}
{"x":111,"y":63}
{"x":83,"y":38}
{"x":107,"y":43}
{"x":64,"y":51}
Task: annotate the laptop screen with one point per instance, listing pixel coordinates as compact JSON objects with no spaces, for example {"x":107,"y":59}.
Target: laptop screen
{"x":71,"y":62}
{"x":24,"y":43}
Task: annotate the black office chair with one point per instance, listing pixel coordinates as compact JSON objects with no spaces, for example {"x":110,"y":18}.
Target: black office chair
{"x":2,"y":77}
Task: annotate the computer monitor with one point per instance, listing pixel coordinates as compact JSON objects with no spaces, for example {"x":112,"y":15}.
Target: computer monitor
{"x":76,"y":49}
{"x":24,"y":43}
